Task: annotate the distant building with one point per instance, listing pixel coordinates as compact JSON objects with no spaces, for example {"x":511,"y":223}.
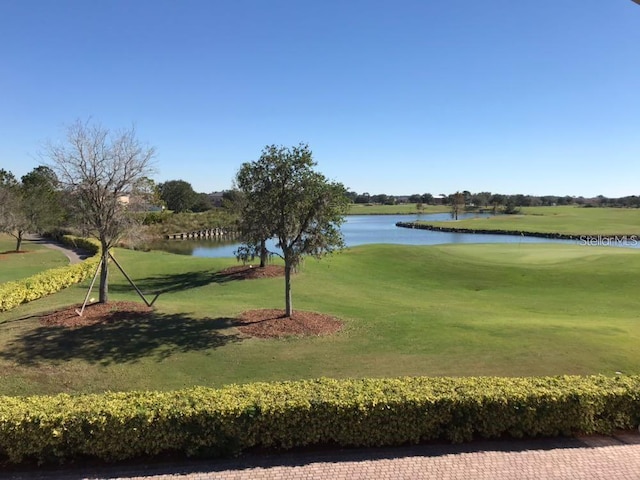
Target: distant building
{"x":439,"y":199}
{"x":139,"y":204}
{"x":216,"y":198}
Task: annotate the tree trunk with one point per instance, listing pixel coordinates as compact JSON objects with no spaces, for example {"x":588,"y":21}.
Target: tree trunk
{"x":18,"y":241}
{"x":287,"y":290}
{"x":104,"y":277}
{"x":263,"y":253}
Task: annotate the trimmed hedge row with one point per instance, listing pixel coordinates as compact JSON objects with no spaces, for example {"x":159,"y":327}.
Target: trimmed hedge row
{"x":50,"y":281}
{"x":367,"y":412}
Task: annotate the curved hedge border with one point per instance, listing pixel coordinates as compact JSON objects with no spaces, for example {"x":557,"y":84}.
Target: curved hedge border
{"x":367,"y":412}
{"x":560,"y":236}
{"x":50,"y":281}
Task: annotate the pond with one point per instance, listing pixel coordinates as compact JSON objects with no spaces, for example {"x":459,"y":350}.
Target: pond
{"x":362,"y":230}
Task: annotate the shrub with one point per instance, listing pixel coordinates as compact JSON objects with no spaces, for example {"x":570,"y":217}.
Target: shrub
{"x":153,"y":218}
{"x":367,"y":412}
{"x":50,"y":281}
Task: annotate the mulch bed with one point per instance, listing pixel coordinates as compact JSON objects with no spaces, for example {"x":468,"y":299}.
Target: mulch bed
{"x":96,"y":313}
{"x":255,"y":323}
{"x":274,"y":324}
{"x":250,"y":272}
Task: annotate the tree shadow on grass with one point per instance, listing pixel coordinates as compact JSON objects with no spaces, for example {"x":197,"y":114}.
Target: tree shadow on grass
{"x":121,"y":341}
{"x":176,"y":282}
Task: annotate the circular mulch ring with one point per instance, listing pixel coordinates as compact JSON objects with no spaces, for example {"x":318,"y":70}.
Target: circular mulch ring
{"x":96,"y":313}
{"x":250,"y":272}
{"x":274,"y":324}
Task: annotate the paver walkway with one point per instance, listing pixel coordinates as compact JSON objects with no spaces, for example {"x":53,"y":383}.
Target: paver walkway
{"x":606,"y":458}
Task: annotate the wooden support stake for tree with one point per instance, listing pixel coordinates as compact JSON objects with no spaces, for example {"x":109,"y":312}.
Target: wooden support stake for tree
{"x":86,"y":299}
{"x":133,"y":284}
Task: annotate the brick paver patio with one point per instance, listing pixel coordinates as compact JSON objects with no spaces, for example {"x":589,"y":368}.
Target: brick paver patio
{"x":607,"y":458}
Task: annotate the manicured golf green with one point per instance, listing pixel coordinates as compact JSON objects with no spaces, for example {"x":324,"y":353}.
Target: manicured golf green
{"x":31,"y":259}
{"x":499,"y":309}
{"x":566,"y":219}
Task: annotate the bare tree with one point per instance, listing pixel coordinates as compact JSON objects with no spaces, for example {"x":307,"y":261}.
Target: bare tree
{"x":100,"y":169}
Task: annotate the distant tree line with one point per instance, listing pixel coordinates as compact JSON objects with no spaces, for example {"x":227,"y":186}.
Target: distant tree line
{"x":489,"y":199}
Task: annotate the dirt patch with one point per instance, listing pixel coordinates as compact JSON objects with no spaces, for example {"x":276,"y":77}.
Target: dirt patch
{"x":96,"y":313}
{"x":273,"y":324}
{"x":250,"y":272}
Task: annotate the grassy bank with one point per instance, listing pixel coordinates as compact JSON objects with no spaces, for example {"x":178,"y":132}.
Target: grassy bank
{"x":402,"y":209}
{"x":567,"y":220}
{"x":32,"y":259}
{"x":513,"y":310}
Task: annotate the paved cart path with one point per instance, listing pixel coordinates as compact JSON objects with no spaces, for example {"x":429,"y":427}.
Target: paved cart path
{"x":75,"y":255}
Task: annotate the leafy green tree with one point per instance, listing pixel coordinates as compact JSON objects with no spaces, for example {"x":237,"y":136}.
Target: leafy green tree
{"x":232,"y":200}
{"x":363,"y":198}
{"x":42,"y":199}
{"x":178,"y":195}
{"x":202,"y":203}
{"x":510,"y":207}
{"x":145,"y":196}
{"x":12,"y":218}
{"x":98,"y":168}
{"x":352,"y":196}
{"x":288,"y":200}
{"x":30,"y":206}
{"x":381,"y":198}
{"x":427,"y":198}
{"x":496,"y":201}
{"x":457,"y":204}
{"x":481,"y":199}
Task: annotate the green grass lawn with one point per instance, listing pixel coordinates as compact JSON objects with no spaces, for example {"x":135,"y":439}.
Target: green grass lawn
{"x":499,"y":309}
{"x":402,"y":209}
{"x":32,"y":259}
{"x":566,"y":219}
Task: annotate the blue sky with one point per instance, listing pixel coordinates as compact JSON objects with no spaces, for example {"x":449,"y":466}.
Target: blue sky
{"x":396,"y":97}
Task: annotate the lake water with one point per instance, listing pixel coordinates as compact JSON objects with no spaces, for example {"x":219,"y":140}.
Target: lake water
{"x":362,"y":230}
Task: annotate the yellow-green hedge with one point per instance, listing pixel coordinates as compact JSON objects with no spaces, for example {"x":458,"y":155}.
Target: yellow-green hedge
{"x":368,"y":412}
{"x":50,"y":281}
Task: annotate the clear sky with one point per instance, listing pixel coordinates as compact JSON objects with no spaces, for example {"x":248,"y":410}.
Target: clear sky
{"x":396,"y":97}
